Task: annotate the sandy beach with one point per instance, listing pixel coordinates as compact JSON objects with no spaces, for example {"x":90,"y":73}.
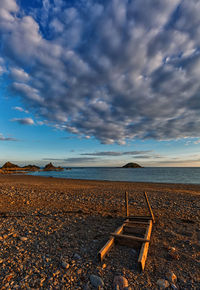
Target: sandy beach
{"x":52,"y":229}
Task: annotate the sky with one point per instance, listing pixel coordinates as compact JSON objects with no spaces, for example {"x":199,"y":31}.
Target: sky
{"x":100,"y":83}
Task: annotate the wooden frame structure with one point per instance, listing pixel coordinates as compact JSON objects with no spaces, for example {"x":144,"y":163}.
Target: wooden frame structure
{"x":127,"y":233}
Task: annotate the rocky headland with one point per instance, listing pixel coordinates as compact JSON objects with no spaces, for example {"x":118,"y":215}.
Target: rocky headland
{"x":9,"y":168}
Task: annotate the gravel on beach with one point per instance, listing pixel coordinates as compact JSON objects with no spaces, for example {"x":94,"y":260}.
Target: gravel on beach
{"x":52,"y":229}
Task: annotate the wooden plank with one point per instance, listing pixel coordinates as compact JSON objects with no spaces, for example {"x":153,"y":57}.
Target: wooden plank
{"x":149,"y":207}
{"x":145,"y":246}
{"x":126,"y":203}
{"x":130,"y":238}
{"x":108,"y":246}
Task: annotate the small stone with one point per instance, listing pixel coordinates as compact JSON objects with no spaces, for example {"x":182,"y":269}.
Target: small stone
{"x":120,"y":282}
{"x":171,"y":277}
{"x":173,"y":286}
{"x":162,"y":283}
{"x":65,"y":265}
{"x":173,"y":253}
{"x":104,"y":266}
{"x":96,"y":281}
{"x":23,"y":239}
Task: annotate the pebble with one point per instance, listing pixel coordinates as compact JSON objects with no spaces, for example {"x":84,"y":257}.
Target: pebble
{"x":96,"y":281}
{"x":173,"y":253}
{"x":120,"y":282}
{"x":104,"y":266}
{"x":23,"y":239}
{"x":173,"y":286}
{"x":162,"y":283}
{"x":65,"y":265}
{"x":171,"y":277}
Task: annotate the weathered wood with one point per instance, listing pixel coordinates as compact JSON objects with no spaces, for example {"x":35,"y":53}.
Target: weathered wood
{"x":134,"y":223}
{"x":130,"y":238}
{"x":107,"y":247}
{"x":149,"y":207}
{"x":126,"y":204}
{"x":145,"y":246}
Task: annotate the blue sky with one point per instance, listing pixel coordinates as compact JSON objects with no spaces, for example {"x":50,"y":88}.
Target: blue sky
{"x":100,"y":83}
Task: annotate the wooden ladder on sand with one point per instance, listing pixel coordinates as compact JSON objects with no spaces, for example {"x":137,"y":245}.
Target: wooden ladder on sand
{"x":131,"y":232}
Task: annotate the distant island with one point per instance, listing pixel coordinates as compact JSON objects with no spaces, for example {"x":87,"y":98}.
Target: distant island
{"x":9,"y":167}
{"x":51,"y":167}
{"x":132,"y":165}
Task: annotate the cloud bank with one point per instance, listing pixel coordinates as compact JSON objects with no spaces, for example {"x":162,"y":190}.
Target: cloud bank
{"x":114,"y":70}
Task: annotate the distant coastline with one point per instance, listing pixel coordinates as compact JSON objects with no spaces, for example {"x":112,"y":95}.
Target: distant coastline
{"x":9,"y":168}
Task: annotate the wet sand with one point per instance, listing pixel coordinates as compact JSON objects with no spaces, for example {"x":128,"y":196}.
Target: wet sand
{"x":51,"y":230}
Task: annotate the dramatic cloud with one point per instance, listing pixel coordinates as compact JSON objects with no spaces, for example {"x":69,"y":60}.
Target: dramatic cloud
{"x":2,"y":138}
{"x":23,"y":121}
{"x":113,"y":70}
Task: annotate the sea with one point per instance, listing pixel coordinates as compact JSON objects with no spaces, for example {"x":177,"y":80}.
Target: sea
{"x":184,"y":175}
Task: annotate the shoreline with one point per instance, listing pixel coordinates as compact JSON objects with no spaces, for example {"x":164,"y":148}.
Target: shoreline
{"x":50,"y":222}
{"x":22,"y":177}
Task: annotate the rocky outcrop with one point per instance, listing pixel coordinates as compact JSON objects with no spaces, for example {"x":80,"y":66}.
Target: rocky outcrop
{"x":51,"y":167}
{"x":10,"y":166}
{"x":31,"y":168}
{"x":132,"y":165}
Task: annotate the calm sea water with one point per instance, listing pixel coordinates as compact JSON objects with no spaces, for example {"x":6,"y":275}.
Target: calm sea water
{"x":187,"y":175}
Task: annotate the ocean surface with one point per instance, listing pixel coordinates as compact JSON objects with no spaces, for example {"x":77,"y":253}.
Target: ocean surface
{"x":187,"y":175}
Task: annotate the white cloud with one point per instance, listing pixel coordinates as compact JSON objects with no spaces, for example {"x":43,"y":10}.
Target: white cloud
{"x":20,"y":109}
{"x":19,"y":74}
{"x":111,"y":69}
{"x":23,"y":121}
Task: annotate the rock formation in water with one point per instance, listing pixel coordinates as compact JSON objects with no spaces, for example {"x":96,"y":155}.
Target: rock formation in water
{"x":31,"y":168}
{"x":51,"y":167}
{"x":132,"y":165}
